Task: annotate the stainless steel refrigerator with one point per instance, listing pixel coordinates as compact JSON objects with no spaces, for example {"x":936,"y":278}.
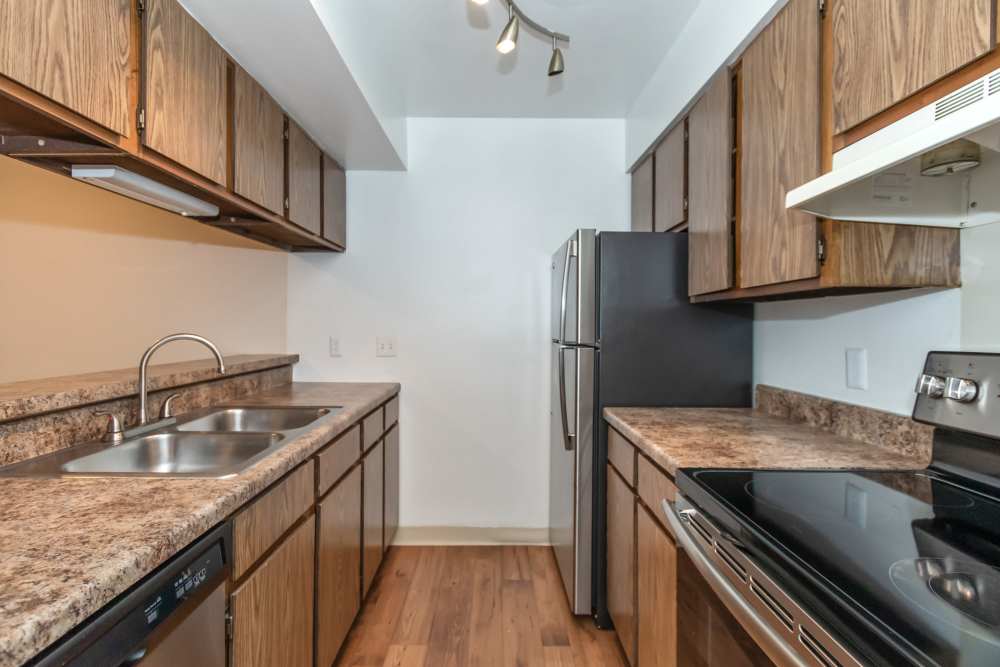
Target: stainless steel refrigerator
{"x":625,"y":333}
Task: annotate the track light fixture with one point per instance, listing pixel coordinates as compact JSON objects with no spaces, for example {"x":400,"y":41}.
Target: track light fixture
{"x":508,"y":38}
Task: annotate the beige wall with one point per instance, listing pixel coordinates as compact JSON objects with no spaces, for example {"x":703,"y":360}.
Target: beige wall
{"x":88,"y":279}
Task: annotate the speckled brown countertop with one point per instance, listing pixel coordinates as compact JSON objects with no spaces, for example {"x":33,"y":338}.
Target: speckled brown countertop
{"x":743,"y":438}
{"x":69,"y":546}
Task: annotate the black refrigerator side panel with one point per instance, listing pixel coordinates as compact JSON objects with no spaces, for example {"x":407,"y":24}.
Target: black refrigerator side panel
{"x":658,"y":349}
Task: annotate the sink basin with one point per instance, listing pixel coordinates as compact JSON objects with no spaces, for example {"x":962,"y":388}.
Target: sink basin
{"x":176,"y":454}
{"x":234,"y":420}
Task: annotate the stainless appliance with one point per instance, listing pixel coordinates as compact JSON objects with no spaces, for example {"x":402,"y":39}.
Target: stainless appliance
{"x":847,"y":568}
{"x":175,"y":616}
{"x":625,"y":333}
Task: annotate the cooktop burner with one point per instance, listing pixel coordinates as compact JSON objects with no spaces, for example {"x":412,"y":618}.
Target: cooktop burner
{"x":954,"y":592}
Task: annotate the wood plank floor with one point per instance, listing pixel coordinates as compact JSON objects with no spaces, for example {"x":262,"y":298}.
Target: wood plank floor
{"x":473,"y":606}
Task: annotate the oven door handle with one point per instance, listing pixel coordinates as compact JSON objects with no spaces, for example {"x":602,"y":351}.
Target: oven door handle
{"x":769,"y":641}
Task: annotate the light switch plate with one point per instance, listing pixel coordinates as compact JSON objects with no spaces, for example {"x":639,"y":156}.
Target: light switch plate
{"x":334,"y":346}
{"x":857,"y":368}
{"x":385,"y":346}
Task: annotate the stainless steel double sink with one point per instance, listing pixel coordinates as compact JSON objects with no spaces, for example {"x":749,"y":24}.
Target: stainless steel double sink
{"x":213,"y":442}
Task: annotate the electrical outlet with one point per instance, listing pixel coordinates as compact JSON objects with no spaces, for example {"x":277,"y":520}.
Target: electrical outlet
{"x":385,"y":346}
{"x":334,"y":347}
{"x":857,"y":368}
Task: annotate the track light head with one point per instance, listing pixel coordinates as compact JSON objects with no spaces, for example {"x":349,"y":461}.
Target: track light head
{"x":508,"y":38}
{"x":556,"y":63}
{"x":481,"y":2}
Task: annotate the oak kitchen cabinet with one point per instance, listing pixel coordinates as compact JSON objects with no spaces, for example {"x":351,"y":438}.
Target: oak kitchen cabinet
{"x":373,"y":516}
{"x":258,"y":144}
{"x":710,"y":185}
{"x":642,"y":196}
{"x":670,"y":202}
{"x":304,"y":180}
{"x":334,"y":202}
{"x":338,"y":590}
{"x":75,"y":52}
{"x":883,"y":51}
{"x":184,"y":81}
{"x":642,"y":557}
{"x":777,"y":143}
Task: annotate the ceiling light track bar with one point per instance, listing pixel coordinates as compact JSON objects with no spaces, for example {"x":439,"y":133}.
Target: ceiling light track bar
{"x":537,"y":27}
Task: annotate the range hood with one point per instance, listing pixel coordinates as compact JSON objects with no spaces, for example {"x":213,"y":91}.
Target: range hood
{"x":938,"y":166}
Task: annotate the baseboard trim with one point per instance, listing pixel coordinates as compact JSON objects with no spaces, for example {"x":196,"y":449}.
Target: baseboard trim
{"x":469,"y":535}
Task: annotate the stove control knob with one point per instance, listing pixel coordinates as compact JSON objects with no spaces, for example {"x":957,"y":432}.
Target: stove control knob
{"x":961,"y":390}
{"x":931,"y":385}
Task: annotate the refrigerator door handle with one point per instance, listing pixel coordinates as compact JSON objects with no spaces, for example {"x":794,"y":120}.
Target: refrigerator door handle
{"x":571,"y":252}
{"x":568,"y":437}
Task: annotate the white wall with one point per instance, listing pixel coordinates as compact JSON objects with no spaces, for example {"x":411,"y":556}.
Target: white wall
{"x":716,"y":33}
{"x":801,"y":345}
{"x":980,"y":288}
{"x":452,"y":258}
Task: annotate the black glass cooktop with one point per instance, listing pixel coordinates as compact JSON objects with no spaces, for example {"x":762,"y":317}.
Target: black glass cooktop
{"x":909,"y":560}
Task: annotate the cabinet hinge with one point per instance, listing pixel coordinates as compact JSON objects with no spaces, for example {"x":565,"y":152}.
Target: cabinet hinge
{"x":140,"y":119}
{"x":141,"y":6}
{"x":229,"y":624}
{"x":286,"y":204}
{"x":685,"y":203}
{"x":821,"y":250}
{"x":285,"y":133}
{"x":822,"y":7}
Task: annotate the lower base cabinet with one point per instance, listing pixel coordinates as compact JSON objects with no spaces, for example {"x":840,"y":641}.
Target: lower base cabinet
{"x":656,"y":594}
{"x":708,"y":634}
{"x":391,"y":486}
{"x":338,"y":586}
{"x":621,"y":561}
{"x":272,"y":609}
{"x":373,"y":513}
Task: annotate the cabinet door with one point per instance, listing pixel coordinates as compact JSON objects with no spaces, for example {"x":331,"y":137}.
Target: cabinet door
{"x":707,"y":633}
{"x":391,"y":485}
{"x":334,"y":202}
{"x":710,"y":187}
{"x":75,"y":52}
{"x":185,"y":84}
{"x":258,"y":144}
{"x":273,"y":609}
{"x":621,"y":561}
{"x":669,"y":193}
{"x":338,"y":565}
{"x":656,"y":593}
{"x":304,"y":164}
{"x":780,"y":147}
{"x":886,"y":50}
{"x":374,"y":469}
{"x":642,"y":196}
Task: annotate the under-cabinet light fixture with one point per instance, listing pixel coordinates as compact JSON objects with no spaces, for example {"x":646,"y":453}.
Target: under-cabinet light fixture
{"x":141,"y":188}
{"x":508,"y":38}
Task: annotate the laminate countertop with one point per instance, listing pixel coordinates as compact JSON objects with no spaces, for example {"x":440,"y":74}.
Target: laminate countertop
{"x":68,"y":546}
{"x":678,"y":438}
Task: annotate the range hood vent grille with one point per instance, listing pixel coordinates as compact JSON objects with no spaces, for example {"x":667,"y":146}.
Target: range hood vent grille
{"x":960,"y":99}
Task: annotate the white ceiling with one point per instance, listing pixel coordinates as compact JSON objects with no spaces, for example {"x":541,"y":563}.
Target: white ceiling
{"x":438,"y":57}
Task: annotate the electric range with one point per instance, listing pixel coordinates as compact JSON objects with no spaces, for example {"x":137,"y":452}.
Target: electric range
{"x":844,"y":568}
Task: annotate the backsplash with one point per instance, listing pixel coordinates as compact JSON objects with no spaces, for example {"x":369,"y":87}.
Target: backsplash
{"x":45,"y":418}
{"x":864,"y":424}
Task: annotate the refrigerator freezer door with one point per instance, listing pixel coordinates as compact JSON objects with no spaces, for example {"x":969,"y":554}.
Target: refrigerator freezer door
{"x":574,"y":290}
{"x":571,"y":471}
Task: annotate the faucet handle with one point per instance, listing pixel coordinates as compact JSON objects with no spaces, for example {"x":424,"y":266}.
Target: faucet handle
{"x":166,"y":410}
{"x":115,"y":432}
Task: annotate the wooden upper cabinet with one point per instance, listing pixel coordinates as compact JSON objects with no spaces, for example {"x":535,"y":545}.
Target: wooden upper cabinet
{"x":780,"y":147}
{"x":304,"y":180}
{"x":710,"y":186}
{"x":273,"y":608}
{"x":670,"y":189}
{"x":258,"y":144}
{"x":642,"y":197}
{"x":334,"y":202}
{"x":885,"y":50}
{"x":75,"y":52}
{"x":185,"y":90}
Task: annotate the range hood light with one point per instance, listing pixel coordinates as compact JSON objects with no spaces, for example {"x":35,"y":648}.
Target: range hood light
{"x":952,"y":158}
{"x":141,"y":188}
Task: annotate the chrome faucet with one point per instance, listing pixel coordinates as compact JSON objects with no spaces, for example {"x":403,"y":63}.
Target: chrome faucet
{"x":143,"y":418}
